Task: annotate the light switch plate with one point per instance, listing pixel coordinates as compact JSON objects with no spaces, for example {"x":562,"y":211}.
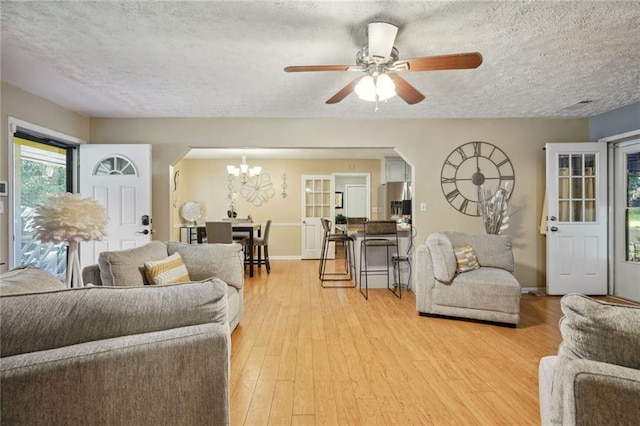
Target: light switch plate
{"x":423,"y":207}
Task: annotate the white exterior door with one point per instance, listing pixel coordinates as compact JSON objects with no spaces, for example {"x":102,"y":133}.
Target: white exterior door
{"x":119,"y":178}
{"x":626,"y":211}
{"x":577,"y":218}
{"x":317,"y":202}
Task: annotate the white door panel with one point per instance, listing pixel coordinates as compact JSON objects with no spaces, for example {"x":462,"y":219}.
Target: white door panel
{"x":119,"y":178}
{"x":626,"y":263}
{"x":318,"y":201}
{"x":577,"y":218}
{"x":356,"y":201}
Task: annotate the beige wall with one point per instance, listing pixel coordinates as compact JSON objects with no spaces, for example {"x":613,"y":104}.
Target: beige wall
{"x":27,"y":107}
{"x":205,"y":181}
{"x":423,"y":143}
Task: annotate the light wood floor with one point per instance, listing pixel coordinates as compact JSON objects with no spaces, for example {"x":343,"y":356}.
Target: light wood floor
{"x":304,"y":355}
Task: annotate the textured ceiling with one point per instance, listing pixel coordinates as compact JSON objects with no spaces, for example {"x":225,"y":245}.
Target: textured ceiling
{"x":226,"y":58}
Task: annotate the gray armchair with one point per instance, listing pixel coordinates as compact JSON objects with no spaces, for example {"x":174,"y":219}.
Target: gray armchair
{"x":489,"y":293}
{"x":595,"y":377}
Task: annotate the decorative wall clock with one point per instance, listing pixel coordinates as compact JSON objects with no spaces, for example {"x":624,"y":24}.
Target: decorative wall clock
{"x":471,"y":166}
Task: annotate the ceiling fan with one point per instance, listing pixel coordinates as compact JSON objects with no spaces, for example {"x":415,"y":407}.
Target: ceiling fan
{"x":380,"y":62}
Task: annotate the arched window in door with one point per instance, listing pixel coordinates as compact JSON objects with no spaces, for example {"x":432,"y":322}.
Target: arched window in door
{"x":115,"y":165}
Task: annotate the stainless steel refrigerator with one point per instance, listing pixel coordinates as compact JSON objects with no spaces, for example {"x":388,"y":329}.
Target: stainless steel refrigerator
{"x":390,"y":197}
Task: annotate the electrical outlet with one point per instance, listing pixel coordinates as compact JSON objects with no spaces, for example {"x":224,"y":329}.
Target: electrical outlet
{"x":423,"y":207}
{"x":374,"y":209}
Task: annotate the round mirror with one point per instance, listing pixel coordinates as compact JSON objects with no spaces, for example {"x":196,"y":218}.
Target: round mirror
{"x":191,"y":211}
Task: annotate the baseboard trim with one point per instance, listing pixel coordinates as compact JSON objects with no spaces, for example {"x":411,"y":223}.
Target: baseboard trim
{"x":536,"y":291}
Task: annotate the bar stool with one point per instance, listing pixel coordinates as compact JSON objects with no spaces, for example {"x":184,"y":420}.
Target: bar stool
{"x":397,"y":262}
{"x":349,"y":257}
{"x":377,"y":234}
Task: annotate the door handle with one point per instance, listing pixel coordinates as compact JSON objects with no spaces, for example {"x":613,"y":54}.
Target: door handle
{"x":145,"y":232}
{"x":554,"y":229}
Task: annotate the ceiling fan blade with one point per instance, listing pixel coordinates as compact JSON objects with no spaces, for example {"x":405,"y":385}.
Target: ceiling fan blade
{"x":445,"y":62}
{"x":305,"y":68}
{"x":406,"y":91}
{"x":344,"y":92}
{"x":382,"y":35}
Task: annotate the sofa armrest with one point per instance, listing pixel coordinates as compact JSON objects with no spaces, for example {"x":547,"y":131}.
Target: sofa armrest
{"x":425,"y":279}
{"x":600,"y":393}
{"x":91,"y":275}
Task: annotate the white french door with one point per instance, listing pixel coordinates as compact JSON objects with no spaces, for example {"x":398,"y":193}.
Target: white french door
{"x":577,"y":218}
{"x":626,"y":221}
{"x":118,"y":176}
{"x":318,"y":201}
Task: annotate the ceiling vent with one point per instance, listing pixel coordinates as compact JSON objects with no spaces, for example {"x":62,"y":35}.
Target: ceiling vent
{"x":576,"y":106}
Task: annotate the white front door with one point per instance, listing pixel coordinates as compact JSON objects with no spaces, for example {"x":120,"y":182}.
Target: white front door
{"x":626,"y":221}
{"x":318,"y":201}
{"x":119,"y":178}
{"x":577,"y":218}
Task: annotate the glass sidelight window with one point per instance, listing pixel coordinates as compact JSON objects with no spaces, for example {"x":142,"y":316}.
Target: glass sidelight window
{"x":577,"y":187}
{"x":41,"y":167}
{"x":632,"y":213}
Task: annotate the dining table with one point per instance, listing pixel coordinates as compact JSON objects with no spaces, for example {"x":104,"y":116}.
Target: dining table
{"x":252,"y":230}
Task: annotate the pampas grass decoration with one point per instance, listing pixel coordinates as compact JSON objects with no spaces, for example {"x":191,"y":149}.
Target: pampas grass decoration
{"x":69,"y":217}
{"x":493,"y":209}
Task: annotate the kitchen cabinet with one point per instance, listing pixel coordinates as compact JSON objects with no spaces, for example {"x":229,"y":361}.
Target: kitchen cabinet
{"x":397,"y":170}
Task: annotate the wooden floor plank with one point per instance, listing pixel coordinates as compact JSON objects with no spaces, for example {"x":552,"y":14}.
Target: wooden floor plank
{"x":304,"y":355}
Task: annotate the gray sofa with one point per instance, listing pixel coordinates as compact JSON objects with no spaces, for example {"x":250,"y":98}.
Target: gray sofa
{"x":126,"y":268}
{"x":490,"y":293}
{"x":152,"y":355}
{"x":595,"y":378}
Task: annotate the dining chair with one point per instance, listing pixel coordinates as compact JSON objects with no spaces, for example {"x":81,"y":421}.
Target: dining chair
{"x":263,"y":243}
{"x":219,"y":232}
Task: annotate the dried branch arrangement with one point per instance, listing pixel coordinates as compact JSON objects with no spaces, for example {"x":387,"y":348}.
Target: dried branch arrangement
{"x":493,"y":206}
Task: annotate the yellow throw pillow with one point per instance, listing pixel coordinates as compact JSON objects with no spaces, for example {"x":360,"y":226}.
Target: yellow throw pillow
{"x":170,"y":270}
{"x":466,"y":258}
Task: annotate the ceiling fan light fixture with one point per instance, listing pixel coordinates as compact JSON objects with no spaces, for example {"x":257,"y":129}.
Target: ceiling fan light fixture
{"x":385,"y":87}
{"x":366,"y":89}
{"x":381,"y":36}
{"x":374,"y":89}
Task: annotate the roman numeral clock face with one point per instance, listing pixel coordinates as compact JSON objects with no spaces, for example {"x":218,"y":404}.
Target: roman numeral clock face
{"x":470,"y":167}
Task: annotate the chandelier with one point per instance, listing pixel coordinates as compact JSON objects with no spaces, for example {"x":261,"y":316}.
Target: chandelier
{"x":255,"y":187}
{"x":244,"y":171}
